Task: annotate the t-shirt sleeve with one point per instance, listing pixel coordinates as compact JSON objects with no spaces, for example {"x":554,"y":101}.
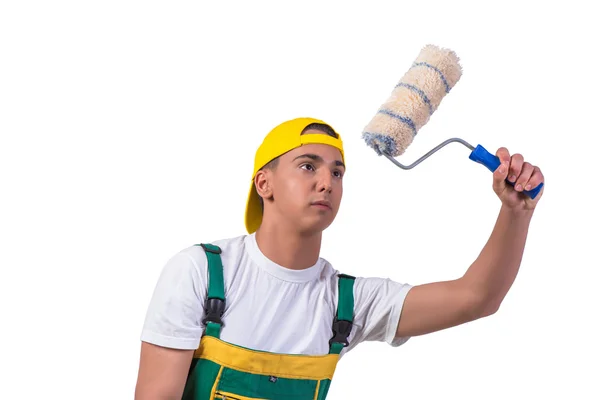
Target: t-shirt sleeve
{"x":378,"y":305}
{"x":175,"y":313}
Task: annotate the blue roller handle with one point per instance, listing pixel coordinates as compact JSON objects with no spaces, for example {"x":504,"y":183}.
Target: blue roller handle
{"x":482,"y":156}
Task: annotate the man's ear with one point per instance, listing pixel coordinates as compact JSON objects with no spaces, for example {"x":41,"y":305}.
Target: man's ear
{"x":262,"y":183}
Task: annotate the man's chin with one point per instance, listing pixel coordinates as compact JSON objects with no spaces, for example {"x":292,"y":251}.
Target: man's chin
{"x":316,"y":226}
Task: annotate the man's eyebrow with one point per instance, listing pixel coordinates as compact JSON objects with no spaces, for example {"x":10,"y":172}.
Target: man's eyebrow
{"x":317,"y":158}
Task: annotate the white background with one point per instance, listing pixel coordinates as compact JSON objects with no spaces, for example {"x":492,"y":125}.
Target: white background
{"x":128,"y":132}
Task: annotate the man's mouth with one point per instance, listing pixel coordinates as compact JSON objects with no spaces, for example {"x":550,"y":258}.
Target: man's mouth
{"x":325,"y":205}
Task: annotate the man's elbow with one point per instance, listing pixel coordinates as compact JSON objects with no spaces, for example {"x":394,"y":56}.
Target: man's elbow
{"x":478,"y":306}
{"x":487,"y":308}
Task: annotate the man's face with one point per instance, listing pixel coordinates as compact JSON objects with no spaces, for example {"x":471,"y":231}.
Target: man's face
{"x":307,"y":186}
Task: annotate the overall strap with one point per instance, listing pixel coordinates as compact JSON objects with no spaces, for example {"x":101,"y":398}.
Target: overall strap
{"x":215,"y":299}
{"x":342,"y":323}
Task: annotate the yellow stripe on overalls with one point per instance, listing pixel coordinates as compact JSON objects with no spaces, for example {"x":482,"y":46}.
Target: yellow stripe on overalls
{"x":222,"y":370}
{"x":272,"y":364}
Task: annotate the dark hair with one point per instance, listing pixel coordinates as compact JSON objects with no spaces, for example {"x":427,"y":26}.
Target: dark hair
{"x":321,"y":127}
{"x":326,"y":129}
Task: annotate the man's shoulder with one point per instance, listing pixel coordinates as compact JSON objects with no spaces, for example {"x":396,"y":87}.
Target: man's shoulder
{"x":329,"y":273}
{"x":229,"y":245}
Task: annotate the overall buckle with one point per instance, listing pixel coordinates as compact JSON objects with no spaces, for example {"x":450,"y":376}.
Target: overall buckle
{"x":341,"y":331}
{"x":214,"y":310}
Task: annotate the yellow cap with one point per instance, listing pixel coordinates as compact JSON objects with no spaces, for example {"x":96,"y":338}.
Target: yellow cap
{"x":283,"y":138}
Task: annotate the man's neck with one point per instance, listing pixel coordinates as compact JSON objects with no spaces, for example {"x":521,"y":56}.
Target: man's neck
{"x":288,"y":248}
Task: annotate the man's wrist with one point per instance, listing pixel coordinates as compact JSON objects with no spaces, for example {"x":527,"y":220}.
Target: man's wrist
{"x":517,"y":212}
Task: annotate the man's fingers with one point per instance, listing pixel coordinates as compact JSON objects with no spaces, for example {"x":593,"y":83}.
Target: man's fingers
{"x":501,"y":172}
{"x":514,"y":172}
{"x":536,"y":178}
{"x":523,"y":177}
{"x":503,"y":154}
{"x":516,"y":165}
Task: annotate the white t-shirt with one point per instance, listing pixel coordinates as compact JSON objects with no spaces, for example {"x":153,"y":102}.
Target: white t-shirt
{"x":268,"y":307}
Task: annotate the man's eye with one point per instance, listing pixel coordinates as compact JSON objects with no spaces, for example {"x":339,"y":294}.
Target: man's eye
{"x":307,"y":166}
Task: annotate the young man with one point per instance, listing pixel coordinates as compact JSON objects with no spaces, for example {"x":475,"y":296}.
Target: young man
{"x":279,"y":296}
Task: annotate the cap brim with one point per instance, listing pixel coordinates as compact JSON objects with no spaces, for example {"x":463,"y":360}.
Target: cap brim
{"x":253,"y":210}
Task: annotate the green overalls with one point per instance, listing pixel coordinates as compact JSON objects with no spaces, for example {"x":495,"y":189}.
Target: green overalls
{"x":222,"y":370}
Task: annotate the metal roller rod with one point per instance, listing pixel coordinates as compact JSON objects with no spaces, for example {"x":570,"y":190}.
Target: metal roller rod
{"x":436,"y":148}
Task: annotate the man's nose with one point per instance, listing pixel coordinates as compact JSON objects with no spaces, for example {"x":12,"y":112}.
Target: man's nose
{"x":324,"y":183}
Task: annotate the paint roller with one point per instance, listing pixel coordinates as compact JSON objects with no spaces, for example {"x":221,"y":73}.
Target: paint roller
{"x":411,"y":104}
